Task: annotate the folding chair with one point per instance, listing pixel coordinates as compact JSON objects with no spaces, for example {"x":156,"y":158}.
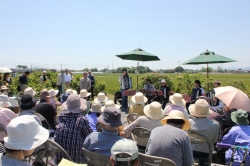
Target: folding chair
{"x":42,"y":119}
{"x":117,"y":97}
{"x":140,"y":133}
{"x":51,"y":149}
{"x":95,"y":159}
{"x":146,"y":160}
{"x":99,"y":127}
{"x":132,"y":117}
{"x":196,"y":138}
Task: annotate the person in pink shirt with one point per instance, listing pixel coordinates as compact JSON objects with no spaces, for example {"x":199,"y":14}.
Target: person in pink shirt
{"x":52,"y":95}
{"x":6,"y":115}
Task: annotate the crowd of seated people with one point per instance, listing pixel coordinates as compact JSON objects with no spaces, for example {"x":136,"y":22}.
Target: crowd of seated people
{"x":78,"y":117}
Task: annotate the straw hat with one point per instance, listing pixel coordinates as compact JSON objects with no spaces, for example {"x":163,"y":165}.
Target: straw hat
{"x":52,"y":92}
{"x":111,"y":116}
{"x":35,"y":135}
{"x":177,"y":100}
{"x":240,"y":117}
{"x":74,"y":104}
{"x":96,"y":107}
{"x":69,"y":91}
{"x":175,"y":114}
{"x":101,"y":97}
{"x":84,"y":93}
{"x":163,"y":80}
{"x":29,"y":91}
{"x":4,"y":101}
{"x":110,"y":103}
{"x":3,"y":87}
{"x":154,"y":111}
{"x":139,"y":98}
{"x":13,"y":101}
{"x":200,"y":109}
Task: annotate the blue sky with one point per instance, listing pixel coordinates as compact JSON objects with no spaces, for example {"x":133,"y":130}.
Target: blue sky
{"x":82,"y":33}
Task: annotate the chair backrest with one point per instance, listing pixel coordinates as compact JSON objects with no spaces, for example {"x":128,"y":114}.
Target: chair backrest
{"x":146,"y":160}
{"x":96,"y":159}
{"x":140,"y":132}
{"x":52,"y":147}
{"x":99,"y":127}
{"x":42,"y":119}
{"x":132,"y":117}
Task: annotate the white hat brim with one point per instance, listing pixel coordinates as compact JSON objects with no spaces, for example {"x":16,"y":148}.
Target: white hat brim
{"x":103,"y":107}
{"x":158,"y":116}
{"x":193,"y":112}
{"x":101,"y":101}
{"x":81,"y":96}
{"x":136,"y":102}
{"x":182,"y":103}
{"x":31,"y":143}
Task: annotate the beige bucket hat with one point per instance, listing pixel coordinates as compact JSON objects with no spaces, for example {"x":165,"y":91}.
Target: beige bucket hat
{"x":96,"y":107}
{"x":154,"y":111}
{"x":74,"y":104}
{"x":29,"y":91}
{"x":139,"y":98}
{"x":110,"y":103}
{"x":177,"y":100}
{"x":101,"y":97}
{"x":4,"y":101}
{"x":200,"y":109}
{"x":52,"y":92}
{"x":175,"y":114}
{"x":3,"y":87}
{"x":84,"y":93}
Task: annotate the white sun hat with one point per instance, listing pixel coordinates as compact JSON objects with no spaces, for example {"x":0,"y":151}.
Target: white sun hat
{"x":69,"y":91}
{"x":84,"y":93}
{"x":139,"y":98}
{"x":154,"y":111}
{"x":177,"y":100}
{"x":29,"y":91}
{"x":13,"y":101}
{"x":4,"y":101}
{"x":101,"y":97}
{"x":53,"y":92}
{"x":110,"y":103}
{"x":35,"y":135}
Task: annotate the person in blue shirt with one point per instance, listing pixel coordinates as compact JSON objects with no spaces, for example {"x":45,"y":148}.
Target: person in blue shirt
{"x":93,"y":114}
{"x":238,"y":135}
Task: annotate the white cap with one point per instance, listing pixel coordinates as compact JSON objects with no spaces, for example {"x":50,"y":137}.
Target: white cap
{"x":124,"y":146}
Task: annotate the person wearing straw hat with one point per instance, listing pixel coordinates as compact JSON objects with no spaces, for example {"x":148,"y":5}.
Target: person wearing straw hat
{"x":109,"y":103}
{"x":19,"y":145}
{"x":238,"y":135}
{"x":52,"y":95}
{"x":202,"y":125}
{"x":124,"y":152}
{"x":4,"y":90}
{"x":153,"y":114}
{"x":93,"y":114}
{"x":138,"y":102}
{"x":101,"y":97}
{"x":6,"y":115}
{"x":46,"y":110}
{"x":170,"y":141}
{"x":84,"y":94}
{"x":27,"y":107}
{"x":73,"y":128}
{"x":102,"y":142}
{"x":29,"y":91}
{"x":177,"y":103}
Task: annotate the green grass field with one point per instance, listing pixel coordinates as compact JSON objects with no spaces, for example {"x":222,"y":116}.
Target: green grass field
{"x":112,"y":83}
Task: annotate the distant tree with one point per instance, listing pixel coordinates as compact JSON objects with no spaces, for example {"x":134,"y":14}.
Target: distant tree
{"x":219,"y":69}
{"x":179,"y":69}
{"x":85,"y":69}
{"x":204,"y":69}
{"x":94,"y":69}
{"x":239,"y":69}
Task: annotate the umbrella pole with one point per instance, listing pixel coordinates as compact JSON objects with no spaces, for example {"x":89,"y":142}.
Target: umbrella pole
{"x":137,"y":73}
{"x":207,"y":79}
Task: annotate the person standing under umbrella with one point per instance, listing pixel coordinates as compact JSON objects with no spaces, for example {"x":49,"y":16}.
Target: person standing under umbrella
{"x":7,"y":79}
{"x":126,"y":84}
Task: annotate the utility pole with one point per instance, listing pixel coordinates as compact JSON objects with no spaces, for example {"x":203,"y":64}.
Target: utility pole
{"x":65,"y":65}
{"x":178,"y":63}
{"x":86,"y":65}
{"x":112,"y":67}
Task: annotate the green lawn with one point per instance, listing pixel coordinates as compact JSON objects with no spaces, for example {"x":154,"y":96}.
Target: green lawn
{"x":112,"y":83}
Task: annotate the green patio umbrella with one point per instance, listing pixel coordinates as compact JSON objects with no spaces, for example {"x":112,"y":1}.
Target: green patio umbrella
{"x":138,"y":55}
{"x":208,"y":57}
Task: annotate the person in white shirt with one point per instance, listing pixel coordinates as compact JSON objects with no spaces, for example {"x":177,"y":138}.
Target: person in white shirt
{"x":67,"y":78}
